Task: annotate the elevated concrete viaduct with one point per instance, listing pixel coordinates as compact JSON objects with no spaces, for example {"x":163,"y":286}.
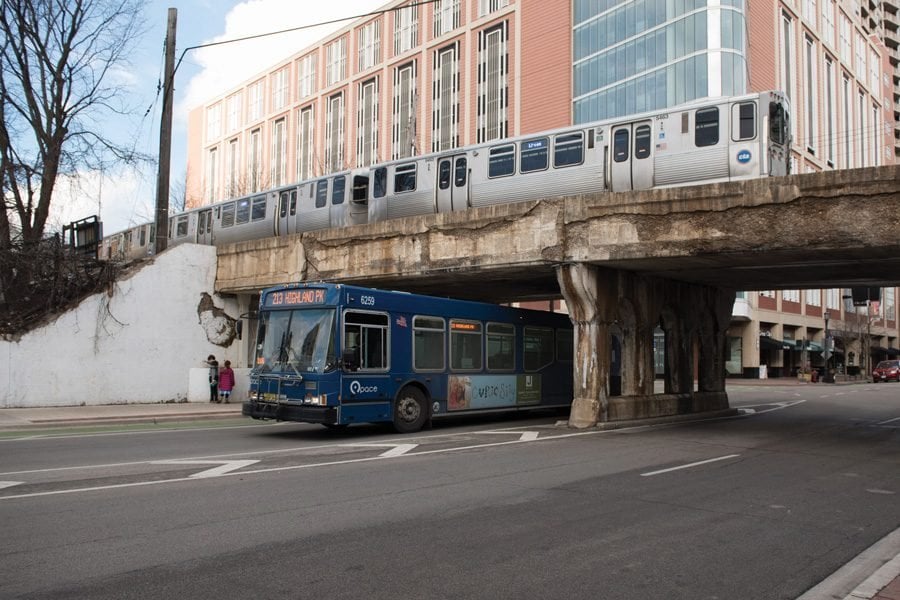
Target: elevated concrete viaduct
{"x":624,"y":262}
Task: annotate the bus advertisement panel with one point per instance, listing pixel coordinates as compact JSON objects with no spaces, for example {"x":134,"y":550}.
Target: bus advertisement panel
{"x":337,"y":354}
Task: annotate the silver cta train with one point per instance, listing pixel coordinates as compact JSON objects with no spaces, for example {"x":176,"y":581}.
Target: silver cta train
{"x":723,"y":139}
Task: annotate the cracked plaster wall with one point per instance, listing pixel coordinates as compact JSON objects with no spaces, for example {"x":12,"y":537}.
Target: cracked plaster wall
{"x":147,"y":342}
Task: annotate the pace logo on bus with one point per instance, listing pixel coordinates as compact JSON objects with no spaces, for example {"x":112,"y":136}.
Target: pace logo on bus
{"x":358,"y":388}
{"x":744,"y":156}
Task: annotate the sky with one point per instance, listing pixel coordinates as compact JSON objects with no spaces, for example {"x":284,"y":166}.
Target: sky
{"x":126,"y":197}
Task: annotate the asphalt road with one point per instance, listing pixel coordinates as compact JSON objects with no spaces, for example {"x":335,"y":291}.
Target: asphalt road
{"x":762,"y":506}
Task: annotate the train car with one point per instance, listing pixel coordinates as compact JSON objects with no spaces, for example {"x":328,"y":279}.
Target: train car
{"x":713,"y":140}
{"x":132,"y":244}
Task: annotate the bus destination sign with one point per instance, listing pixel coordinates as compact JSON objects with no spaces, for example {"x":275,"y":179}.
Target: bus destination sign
{"x":295,"y":297}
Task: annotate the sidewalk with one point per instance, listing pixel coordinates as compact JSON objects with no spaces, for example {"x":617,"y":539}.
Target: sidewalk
{"x":58,"y":416}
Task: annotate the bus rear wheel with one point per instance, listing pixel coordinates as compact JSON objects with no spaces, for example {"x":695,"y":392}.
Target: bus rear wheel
{"x":410,"y":410}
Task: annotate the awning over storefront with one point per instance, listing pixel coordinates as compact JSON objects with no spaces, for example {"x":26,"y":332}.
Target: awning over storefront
{"x":814,"y":347}
{"x":769,"y":343}
{"x":893,"y":351}
{"x":879,"y":350}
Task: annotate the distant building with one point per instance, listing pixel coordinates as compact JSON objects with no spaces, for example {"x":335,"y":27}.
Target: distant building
{"x":416,"y":79}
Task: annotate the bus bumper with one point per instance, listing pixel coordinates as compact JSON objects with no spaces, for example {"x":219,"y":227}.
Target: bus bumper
{"x":289,"y":412}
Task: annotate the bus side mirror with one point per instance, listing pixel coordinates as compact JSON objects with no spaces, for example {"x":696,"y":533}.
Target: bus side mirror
{"x":350,"y":359}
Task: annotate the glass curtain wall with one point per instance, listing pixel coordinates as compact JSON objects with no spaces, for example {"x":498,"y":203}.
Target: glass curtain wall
{"x":633,"y":56}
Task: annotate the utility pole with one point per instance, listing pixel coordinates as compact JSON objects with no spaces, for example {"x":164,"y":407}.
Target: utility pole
{"x":165,"y":139}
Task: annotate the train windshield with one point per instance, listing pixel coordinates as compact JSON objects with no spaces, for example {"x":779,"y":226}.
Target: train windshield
{"x":779,"y":126}
{"x":294,"y":342}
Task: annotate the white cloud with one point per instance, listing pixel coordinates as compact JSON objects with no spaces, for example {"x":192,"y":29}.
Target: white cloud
{"x":228,"y":65}
{"x":121,"y":199}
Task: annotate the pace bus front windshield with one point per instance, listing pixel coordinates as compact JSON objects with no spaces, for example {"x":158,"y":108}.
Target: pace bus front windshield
{"x":296,"y":341}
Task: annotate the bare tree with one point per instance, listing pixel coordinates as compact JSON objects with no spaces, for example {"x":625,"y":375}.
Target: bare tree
{"x":56,"y":93}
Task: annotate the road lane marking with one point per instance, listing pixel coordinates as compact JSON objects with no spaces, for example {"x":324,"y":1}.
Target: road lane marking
{"x":526,"y":436}
{"x":689,"y":465}
{"x":888,"y":421}
{"x":224,"y":466}
{"x":395,"y":449}
{"x":6,"y":484}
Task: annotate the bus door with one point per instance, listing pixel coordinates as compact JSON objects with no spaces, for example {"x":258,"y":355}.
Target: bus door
{"x":632,"y":157}
{"x":286,"y":211}
{"x":453,"y":183}
{"x":204,"y":227}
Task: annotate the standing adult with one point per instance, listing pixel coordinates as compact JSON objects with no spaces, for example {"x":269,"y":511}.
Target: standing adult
{"x":213,"y":378}
{"x":226,"y":382}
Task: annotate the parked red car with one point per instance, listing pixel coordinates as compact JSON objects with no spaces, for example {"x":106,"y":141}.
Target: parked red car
{"x":886,"y":371}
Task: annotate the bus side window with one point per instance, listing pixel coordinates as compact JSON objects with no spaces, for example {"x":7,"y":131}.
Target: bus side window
{"x":428,"y":343}
{"x":465,"y":345}
{"x":538,"y":347}
{"x":368,"y":332}
{"x":565,"y":345}
{"x":501,"y":347}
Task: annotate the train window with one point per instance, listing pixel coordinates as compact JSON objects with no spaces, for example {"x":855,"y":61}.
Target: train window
{"x":338,"y":187}
{"x":181,"y":227}
{"x":444,"y":174}
{"x":778,"y":123}
{"x":243,"y":211}
{"x":142,"y":237}
{"x":293,"y":202}
{"x":502,"y":161}
{"x":259,"y":208}
{"x":620,"y":145}
{"x":360,"y":189}
{"x":282,"y":204}
{"x":321,"y":193}
{"x":501,"y":347}
{"x":462,"y":172}
{"x":201,"y":222}
{"x":379,"y":183}
{"x":228,"y":215}
{"x":534,"y":155}
{"x":706,"y":127}
{"x":745,"y":121}
{"x":568,"y":150}
{"x":642,"y":141}
{"x":405,"y":178}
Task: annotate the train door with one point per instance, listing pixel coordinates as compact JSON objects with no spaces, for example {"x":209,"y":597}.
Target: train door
{"x":287,"y":210}
{"x":453,"y":183}
{"x":632,"y":157}
{"x":204,"y":227}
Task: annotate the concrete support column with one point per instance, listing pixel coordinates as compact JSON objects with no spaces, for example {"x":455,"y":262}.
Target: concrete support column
{"x":713,"y":338}
{"x":579,"y":286}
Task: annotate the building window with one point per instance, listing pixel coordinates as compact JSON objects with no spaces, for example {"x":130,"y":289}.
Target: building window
{"x":334,"y":134}
{"x":845,"y":111}
{"x":403,"y":129}
{"x":845,"y":39}
{"x":809,"y":13}
{"x":486,"y":7}
{"x":876,"y":137}
{"x":256,"y":101}
{"x":233,"y":168}
{"x":492,"y":90}
{"x":446,"y":16}
{"x":889,"y":304}
{"x":279,"y":89}
{"x":367,"y":124}
{"x":833,"y":299}
{"x":254,"y":162}
{"x":234,"y":112}
{"x":860,"y":46}
{"x":828,"y":22}
{"x":212,"y":175}
{"x":787,"y":63}
{"x":369,"y":45}
{"x":279,"y":156}
{"x":336,"y":61}
{"x":406,"y":29}
{"x":767,"y":294}
{"x":305,"y":132}
{"x":445,"y":100}
{"x":306,"y":76}
{"x":790,"y":295}
{"x":861,"y":137}
{"x":213,"y":122}
{"x":830,"y":114}
{"x":809,"y":80}
{"x":874,"y":64}
{"x":814,"y":297}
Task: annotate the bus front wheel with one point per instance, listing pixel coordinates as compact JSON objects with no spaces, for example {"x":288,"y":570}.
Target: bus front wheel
{"x":410,"y":410}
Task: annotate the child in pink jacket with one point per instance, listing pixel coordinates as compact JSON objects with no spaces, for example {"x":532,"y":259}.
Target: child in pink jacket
{"x":226,"y":382}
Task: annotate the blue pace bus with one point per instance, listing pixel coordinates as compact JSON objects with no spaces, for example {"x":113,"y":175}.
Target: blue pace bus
{"x":338,"y":354}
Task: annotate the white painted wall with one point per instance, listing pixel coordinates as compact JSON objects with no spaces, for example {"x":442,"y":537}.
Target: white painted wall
{"x":145,"y":343}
